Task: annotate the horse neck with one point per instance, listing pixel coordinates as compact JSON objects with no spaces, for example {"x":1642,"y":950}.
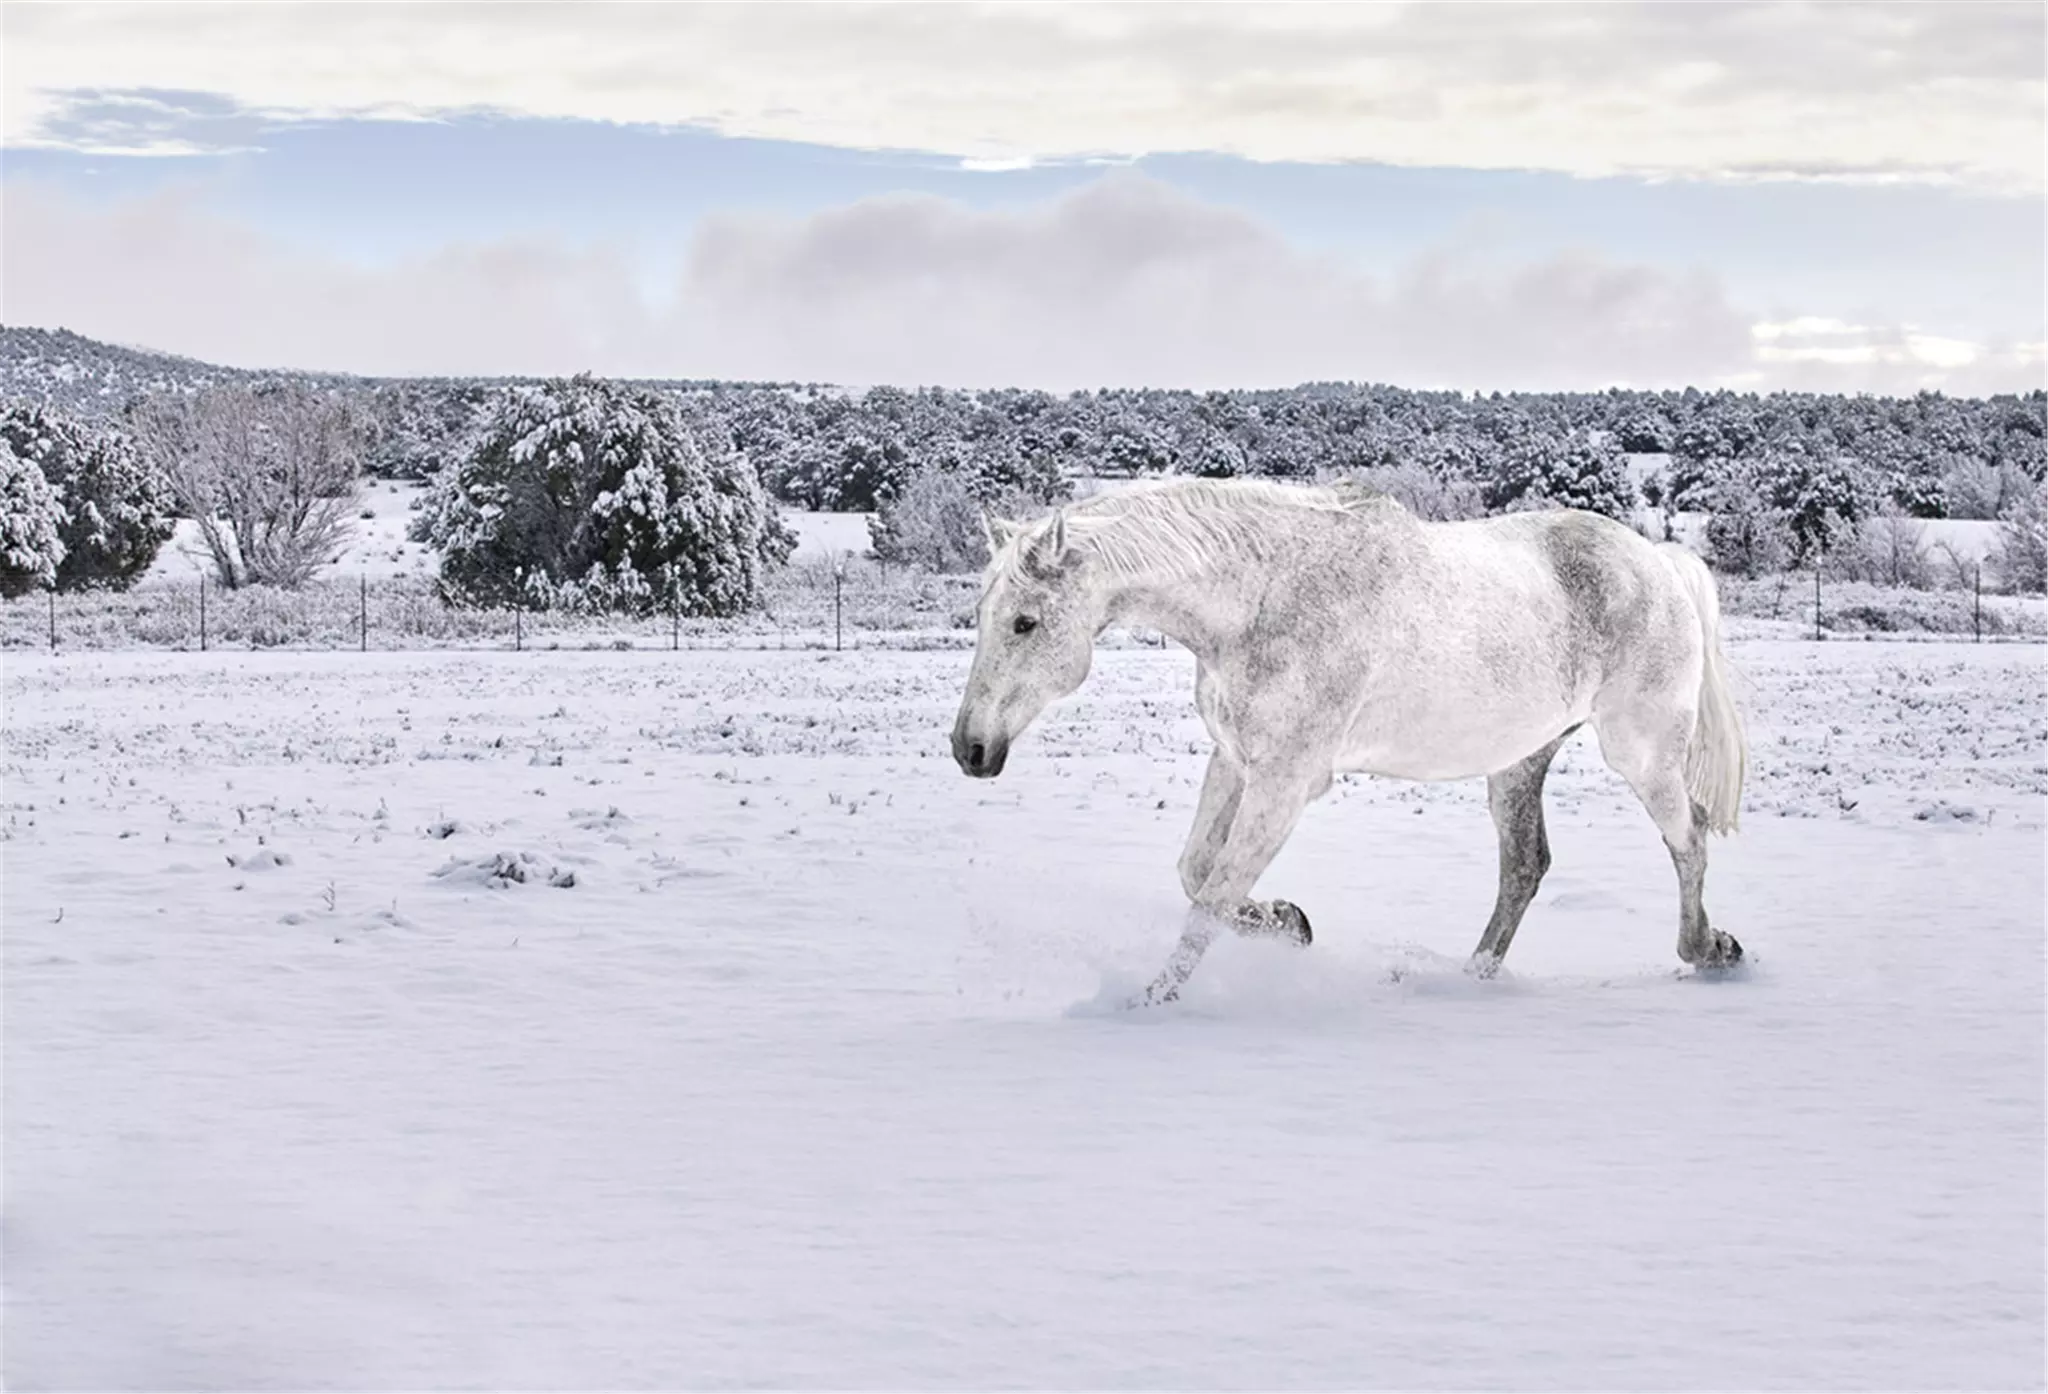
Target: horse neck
{"x":1201,"y":610}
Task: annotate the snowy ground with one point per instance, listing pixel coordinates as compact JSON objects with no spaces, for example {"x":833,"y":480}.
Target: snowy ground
{"x":812,"y":1076}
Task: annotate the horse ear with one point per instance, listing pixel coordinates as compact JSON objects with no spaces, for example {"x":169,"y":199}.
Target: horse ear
{"x":1048,"y":555}
{"x":999,"y":531}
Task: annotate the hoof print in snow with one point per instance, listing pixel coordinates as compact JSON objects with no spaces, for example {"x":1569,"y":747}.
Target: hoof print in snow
{"x":595,"y":820}
{"x":502,"y":869}
{"x":262,"y":859}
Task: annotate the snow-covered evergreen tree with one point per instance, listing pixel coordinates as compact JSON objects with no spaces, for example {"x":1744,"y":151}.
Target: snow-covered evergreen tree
{"x":1821,"y":496}
{"x":30,"y":519}
{"x":585,"y":494}
{"x":1578,"y":470}
{"x":118,"y":509}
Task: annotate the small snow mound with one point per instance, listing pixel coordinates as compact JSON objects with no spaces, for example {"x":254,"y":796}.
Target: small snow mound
{"x":262,"y":859}
{"x":447,"y":828}
{"x":500,"y":870}
{"x":1942,"y":811}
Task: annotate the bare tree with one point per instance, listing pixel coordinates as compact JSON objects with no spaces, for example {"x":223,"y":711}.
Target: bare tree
{"x":1895,"y":551}
{"x":271,"y":475}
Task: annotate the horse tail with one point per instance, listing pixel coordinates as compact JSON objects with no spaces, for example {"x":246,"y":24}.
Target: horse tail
{"x":1718,"y":756}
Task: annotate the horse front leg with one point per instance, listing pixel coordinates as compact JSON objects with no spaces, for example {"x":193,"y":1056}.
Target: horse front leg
{"x":1214,"y":812}
{"x":1266,"y":809}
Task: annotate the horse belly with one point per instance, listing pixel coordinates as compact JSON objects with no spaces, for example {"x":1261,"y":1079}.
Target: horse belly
{"x":1460,"y":722}
{"x":1442,"y":746}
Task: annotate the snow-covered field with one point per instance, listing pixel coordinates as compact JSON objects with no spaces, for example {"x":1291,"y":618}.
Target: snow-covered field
{"x":320,"y":1073}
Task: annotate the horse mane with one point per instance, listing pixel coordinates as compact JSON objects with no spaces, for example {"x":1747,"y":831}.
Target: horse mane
{"x":1175,"y":528}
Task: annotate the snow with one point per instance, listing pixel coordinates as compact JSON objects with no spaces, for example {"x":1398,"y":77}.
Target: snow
{"x":823,"y":536}
{"x":814,"y":1076}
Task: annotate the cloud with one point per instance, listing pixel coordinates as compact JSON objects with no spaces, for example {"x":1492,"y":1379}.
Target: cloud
{"x":1129,"y":282}
{"x":1822,"y":354}
{"x":1940,"y":93}
{"x":1124,"y":282}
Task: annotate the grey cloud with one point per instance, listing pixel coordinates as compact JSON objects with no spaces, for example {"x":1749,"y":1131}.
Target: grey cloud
{"x":1124,"y":282}
{"x":146,"y":119}
{"x":160,"y":272}
{"x":1128,"y":282}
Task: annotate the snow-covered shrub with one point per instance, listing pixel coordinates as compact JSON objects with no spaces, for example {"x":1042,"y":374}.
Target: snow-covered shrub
{"x":1423,"y":492}
{"x":30,"y":519}
{"x":1976,"y":488}
{"x":1889,"y":550}
{"x":935,"y":521}
{"x":2019,"y":563}
{"x":118,"y":508}
{"x":1746,"y":535}
{"x":587,"y":495}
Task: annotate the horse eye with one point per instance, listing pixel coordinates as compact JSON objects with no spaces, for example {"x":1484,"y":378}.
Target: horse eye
{"x":1024,"y":624}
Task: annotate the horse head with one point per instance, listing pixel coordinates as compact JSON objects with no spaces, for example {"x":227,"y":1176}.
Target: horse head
{"x":1035,"y":638}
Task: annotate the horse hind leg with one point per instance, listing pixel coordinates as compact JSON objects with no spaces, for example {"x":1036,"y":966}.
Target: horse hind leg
{"x":1515,"y":795}
{"x":1648,"y":749}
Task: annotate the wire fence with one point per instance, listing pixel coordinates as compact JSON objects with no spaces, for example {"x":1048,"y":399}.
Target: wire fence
{"x":854,"y":604}
{"x":806,"y":606}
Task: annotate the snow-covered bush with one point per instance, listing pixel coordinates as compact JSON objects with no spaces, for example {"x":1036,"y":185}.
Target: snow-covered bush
{"x":1423,"y":492}
{"x":1746,"y":535}
{"x":935,"y":521}
{"x":30,"y":518}
{"x":587,"y":495}
{"x":2019,"y":563}
{"x":1983,"y":490}
{"x":118,"y":509}
{"x":1889,"y":550}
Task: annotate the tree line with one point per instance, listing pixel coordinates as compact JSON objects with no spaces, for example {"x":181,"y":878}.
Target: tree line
{"x":651,"y":497}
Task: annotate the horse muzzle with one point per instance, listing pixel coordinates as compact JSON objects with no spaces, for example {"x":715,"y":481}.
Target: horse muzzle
{"x":979,"y":759}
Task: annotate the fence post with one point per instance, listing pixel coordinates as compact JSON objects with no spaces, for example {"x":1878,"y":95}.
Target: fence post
{"x":838,"y":588}
{"x":675,"y":627}
{"x":363,"y":609}
{"x":202,"y":613}
{"x":518,"y":629}
{"x":1977,"y":600}
{"x":53,"y":619}
{"x":1816,"y":598}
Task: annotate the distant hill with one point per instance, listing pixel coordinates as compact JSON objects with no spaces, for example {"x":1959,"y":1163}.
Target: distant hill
{"x":87,"y":378}
{"x":92,"y":379}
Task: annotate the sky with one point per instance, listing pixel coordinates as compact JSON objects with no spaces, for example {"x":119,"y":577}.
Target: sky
{"x":1482,"y":197}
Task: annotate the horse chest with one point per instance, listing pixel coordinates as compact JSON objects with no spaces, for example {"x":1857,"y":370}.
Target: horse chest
{"x":1209,"y":706}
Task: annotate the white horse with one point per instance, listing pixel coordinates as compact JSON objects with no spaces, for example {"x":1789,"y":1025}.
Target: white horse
{"x":1333,"y":631}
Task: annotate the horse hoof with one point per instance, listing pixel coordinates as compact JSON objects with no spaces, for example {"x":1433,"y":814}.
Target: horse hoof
{"x":1293,"y":923}
{"x":1723,"y":953}
{"x":1484,"y":967}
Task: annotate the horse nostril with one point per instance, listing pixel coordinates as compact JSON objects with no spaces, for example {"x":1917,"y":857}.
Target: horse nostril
{"x":976,"y":755}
